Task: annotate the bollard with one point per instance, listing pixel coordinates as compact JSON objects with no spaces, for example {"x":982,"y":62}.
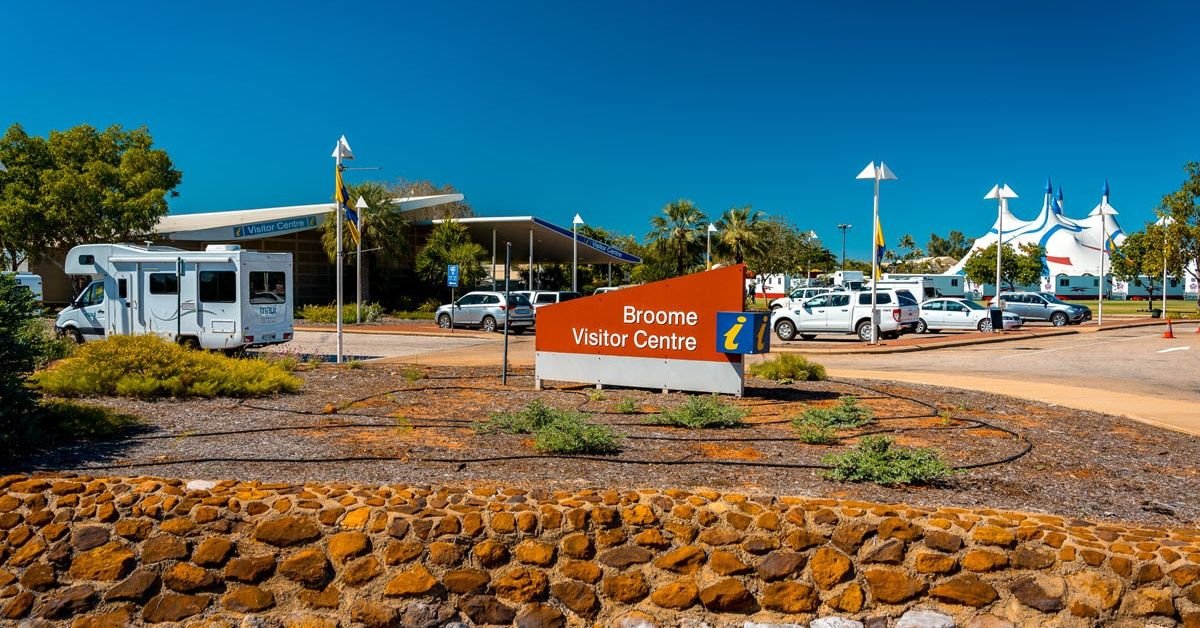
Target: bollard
{"x":1169,"y":333}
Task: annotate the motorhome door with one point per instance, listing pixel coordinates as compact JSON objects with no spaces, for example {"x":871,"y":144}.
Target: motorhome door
{"x":122,"y":318}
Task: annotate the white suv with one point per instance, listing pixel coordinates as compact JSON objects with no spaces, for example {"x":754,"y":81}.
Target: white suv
{"x":845,"y":312}
{"x":797,"y":296}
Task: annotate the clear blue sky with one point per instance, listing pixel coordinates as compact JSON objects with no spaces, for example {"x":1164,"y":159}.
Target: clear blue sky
{"x":612,"y":109}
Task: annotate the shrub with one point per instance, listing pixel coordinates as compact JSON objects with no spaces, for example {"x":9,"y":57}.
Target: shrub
{"x":817,"y":434}
{"x":413,"y":316}
{"x":555,"y":431}
{"x":68,"y":421}
{"x":429,"y":305}
{"x":24,"y":345}
{"x":702,"y":412}
{"x":328,"y":313}
{"x":877,"y":459}
{"x":148,"y":366}
{"x":570,"y":433}
{"x":788,"y":368}
{"x":849,"y":414}
{"x":627,"y":406}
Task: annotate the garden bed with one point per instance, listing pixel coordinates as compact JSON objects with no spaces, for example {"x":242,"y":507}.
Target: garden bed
{"x":389,"y":424}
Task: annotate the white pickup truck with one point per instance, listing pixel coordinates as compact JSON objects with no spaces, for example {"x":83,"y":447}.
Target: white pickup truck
{"x":845,"y":312}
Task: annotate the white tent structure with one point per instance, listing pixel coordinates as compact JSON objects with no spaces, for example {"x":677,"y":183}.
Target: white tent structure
{"x":1073,"y":246}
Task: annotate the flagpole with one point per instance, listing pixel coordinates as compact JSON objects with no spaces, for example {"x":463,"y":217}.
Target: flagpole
{"x":358,"y":265}
{"x":875,"y":266}
{"x":1103,"y":246}
{"x":338,"y":210}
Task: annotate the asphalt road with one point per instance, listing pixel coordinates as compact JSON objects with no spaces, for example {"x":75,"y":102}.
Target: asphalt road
{"x":1127,"y":360}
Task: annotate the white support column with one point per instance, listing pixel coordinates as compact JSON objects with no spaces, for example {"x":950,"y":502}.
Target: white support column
{"x":493,"y":259}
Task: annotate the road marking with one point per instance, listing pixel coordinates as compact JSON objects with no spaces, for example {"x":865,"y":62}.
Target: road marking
{"x":1090,"y":344}
{"x":1174,"y":349}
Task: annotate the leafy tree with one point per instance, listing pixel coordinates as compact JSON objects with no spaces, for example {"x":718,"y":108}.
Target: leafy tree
{"x":954,"y":245}
{"x":385,"y":229}
{"x":677,"y":233}
{"x":449,"y":243}
{"x":1018,"y":267}
{"x":739,"y":233}
{"x":23,"y":347}
{"x":1183,"y":234}
{"x":785,"y":250}
{"x":1139,"y":259}
{"x":80,"y":185}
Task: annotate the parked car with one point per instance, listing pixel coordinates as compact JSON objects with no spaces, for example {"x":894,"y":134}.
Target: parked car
{"x":487,"y":311}
{"x":948,"y":313}
{"x":1044,"y":306}
{"x":795,"y":297}
{"x":845,"y":312}
{"x":540,"y":298}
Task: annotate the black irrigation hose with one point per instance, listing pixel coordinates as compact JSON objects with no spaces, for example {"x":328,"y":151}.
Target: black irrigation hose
{"x":462,"y":462}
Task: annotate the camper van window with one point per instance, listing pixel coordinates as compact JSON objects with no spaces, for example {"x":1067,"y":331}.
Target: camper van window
{"x":123,"y":288}
{"x":268,"y":287}
{"x":93,"y":296}
{"x":164,"y":283}
{"x":218,"y":286}
{"x":85,"y":260}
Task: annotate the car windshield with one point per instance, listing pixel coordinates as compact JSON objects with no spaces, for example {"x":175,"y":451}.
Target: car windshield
{"x":517,"y":300}
{"x":1053,"y":299}
{"x":972,"y":305}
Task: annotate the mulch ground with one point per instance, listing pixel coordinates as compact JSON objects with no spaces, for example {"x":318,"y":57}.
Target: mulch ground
{"x":392,"y":424}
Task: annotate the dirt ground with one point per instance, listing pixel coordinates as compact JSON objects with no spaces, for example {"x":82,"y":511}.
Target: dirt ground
{"x":397,"y":424}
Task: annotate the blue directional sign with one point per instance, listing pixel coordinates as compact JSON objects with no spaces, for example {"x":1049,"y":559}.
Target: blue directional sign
{"x":452,"y":276}
{"x":743,"y":332}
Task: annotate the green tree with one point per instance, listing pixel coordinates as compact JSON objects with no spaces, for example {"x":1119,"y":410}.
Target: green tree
{"x":24,"y":344}
{"x":449,"y":243}
{"x":385,"y":239}
{"x":80,"y":185}
{"x":1139,"y":259}
{"x":1183,"y":232}
{"x":739,"y":233}
{"x":677,"y":233}
{"x":954,"y":245}
{"x":1021,"y":267}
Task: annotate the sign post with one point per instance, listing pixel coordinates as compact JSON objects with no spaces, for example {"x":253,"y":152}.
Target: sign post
{"x":452,"y":283}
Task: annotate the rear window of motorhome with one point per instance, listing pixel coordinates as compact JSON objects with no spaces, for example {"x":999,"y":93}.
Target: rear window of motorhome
{"x":218,"y":286}
{"x":164,"y":283}
{"x":267,"y":287}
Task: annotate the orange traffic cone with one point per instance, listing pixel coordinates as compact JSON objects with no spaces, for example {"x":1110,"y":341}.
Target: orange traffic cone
{"x":1168,"y":333}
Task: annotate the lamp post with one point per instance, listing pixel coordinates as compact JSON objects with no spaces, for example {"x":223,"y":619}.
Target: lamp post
{"x":1001,"y":193}
{"x":575,"y":252}
{"x":1103,"y":210}
{"x":708,"y":246}
{"x":812,"y":235}
{"x":877,"y":173}
{"x":1164,"y":222}
{"x":844,"y":229}
{"x":361,"y":206}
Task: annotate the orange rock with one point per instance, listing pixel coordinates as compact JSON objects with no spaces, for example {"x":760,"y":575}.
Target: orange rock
{"x":520,"y":584}
{"x":967,"y":590}
{"x":993,"y":535}
{"x":626,"y":588}
{"x":1095,"y":590}
{"x":345,"y":545}
{"x":790,"y":597}
{"x":829,"y":567}
{"x":980,"y":560}
{"x":893,"y":587}
{"x":726,"y":564}
{"x":728,"y":596}
{"x":413,"y":581}
{"x":849,"y":600}
{"x":109,"y":562}
{"x":677,"y":595}
{"x":533,"y":552}
{"x":580,"y":570}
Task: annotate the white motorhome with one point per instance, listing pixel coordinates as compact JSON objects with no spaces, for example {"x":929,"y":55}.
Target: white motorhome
{"x":218,"y":298}
{"x":921,"y":289}
{"x":944,"y":285}
{"x":29,"y":280}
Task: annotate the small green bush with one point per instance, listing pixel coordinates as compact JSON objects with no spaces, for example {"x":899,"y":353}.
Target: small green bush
{"x":702,"y":412}
{"x":817,"y":434}
{"x":570,"y":433}
{"x":627,"y":406}
{"x":412,"y":316}
{"x":849,"y":414}
{"x":429,"y":305}
{"x":328,"y":313}
{"x":148,"y":366}
{"x":555,"y":431}
{"x":877,"y":459}
{"x":64,"y":421}
{"x":788,"y":368}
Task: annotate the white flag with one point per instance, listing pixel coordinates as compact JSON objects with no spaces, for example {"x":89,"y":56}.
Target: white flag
{"x":342,"y":149}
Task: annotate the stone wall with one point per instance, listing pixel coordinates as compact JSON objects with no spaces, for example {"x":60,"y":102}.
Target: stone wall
{"x":100,"y":552}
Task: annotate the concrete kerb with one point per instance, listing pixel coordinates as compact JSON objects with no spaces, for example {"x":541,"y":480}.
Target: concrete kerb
{"x":393,"y":331}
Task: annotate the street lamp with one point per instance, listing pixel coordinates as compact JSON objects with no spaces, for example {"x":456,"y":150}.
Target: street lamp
{"x":877,"y":173}
{"x":1164,"y":222}
{"x":361,"y":206}
{"x":575,"y":252}
{"x":1103,"y":210}
{"x":844,"y":229}
{"x":1001,"y":193}
{"x":812,"y":235}
{"x":708,"y":246}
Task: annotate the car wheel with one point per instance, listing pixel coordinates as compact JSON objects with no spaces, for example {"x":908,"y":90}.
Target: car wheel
{"x":489,"y":324}
{"x":922,"y":327}
{"x":1058,"y":319}
{"x":785,"y":330}
{"x":73,"y":334}
{"x":190,"y":342}
{"x":444,"y":321}
{"x":985,"y":325}
{"x":864,"y":331}
{"x":776,"y":307}
{"x":807,"y":336}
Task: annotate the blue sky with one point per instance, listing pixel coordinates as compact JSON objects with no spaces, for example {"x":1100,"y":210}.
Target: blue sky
{"x":613,"y":109}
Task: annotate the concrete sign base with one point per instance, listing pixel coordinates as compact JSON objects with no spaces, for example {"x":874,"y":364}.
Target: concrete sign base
{"x":655,"y":373}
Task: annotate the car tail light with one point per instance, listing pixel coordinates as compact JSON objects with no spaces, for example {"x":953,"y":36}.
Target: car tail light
{"x":248,"y":338}
{"x":896,"y":315}
{"x":503,"y":307}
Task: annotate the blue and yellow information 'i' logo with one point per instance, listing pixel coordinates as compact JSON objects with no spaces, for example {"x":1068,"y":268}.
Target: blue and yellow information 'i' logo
{"x":743,"y":332}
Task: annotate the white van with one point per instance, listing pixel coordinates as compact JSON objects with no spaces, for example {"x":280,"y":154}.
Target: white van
{"x":29,"y":280}
{"x":921,"y":288}
{"x":943,"y":285}
{"x":219,"y":298}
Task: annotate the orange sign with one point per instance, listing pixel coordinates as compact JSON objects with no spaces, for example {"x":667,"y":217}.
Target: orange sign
{"x":671,"y":319}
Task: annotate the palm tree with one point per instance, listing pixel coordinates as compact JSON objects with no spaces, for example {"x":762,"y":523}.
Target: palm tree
{"x":741,"y":232}
{"x":449,"y":243}
{"x":676,"y":233}
{"x":385,"y":231}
